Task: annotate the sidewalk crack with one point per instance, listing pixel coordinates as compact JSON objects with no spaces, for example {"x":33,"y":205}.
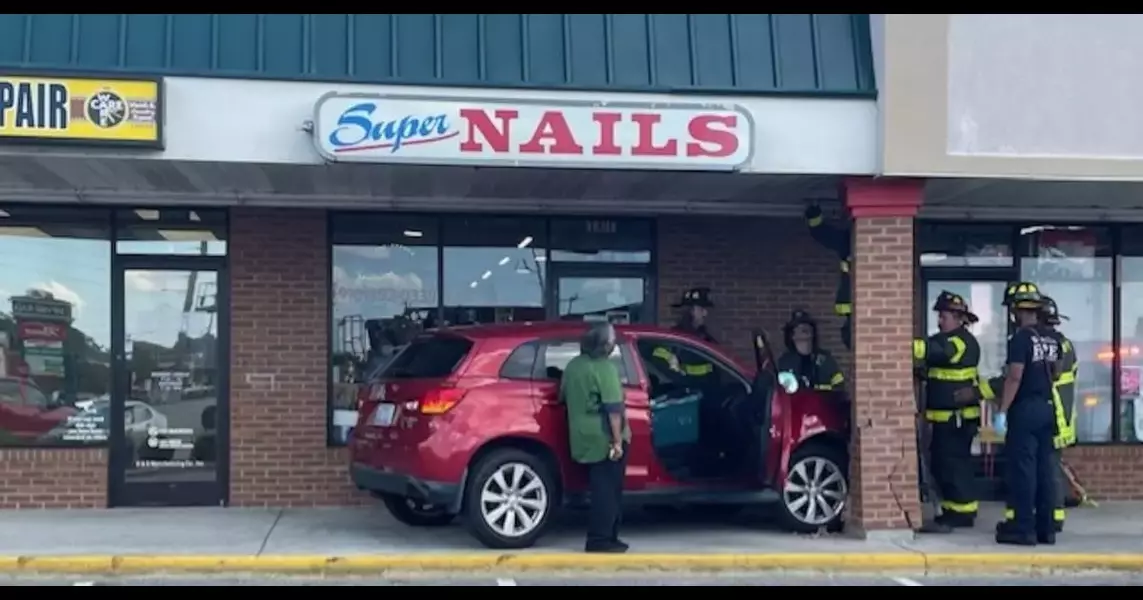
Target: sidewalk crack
{"x":919,"y":552}
{"x":266,"y":540}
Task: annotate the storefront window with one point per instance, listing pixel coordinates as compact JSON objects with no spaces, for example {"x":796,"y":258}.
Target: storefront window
{"x":494,"y":269}
{"x":943,"y":245}
{"x":166,"y":231}
{"x":602,"y":240}
{"x":55,"y":326}
{"x":1073,"y":265}
{"x":1130,"y":335}
{"x":384,"y":291}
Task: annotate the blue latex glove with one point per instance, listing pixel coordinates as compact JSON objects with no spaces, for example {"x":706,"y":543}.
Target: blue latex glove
{"x":1000,"y":423}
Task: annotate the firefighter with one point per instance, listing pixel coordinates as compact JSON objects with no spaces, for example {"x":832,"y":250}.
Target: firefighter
{"x":694,"y":306}
{"x":837,"y":240}
{"x":804,"y":357}
{"x":1063,"y":401}
{"x":1027,"y":417}
{"x":952,"y":409}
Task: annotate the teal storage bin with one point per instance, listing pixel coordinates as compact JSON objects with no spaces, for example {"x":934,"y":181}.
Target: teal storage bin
{"x":675,"y":421}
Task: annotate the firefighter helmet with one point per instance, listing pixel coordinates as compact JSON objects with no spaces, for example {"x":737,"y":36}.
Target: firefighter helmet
{"x":1023,"y":295}
{"x":954,"y":303}
{"x":1051,"y":312}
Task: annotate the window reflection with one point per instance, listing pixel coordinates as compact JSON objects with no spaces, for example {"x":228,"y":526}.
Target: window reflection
{"x":493,"y":270}
{"x":384,"y":291}
{"x":1131,"y":336}
{"x":1073,"y":265}
{"x":612,"y":299}
{"x":943,"y":245}
{"x":601,"y":240}
{"x":170,"y":231}
{"x":55,"y":326}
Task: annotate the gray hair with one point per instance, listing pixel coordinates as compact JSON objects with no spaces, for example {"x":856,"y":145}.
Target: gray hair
{"x":597,"y":340}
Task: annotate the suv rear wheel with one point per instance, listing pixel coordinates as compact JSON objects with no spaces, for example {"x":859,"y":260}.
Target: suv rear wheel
{"x":509,"y":497}
{"x":816,"y":489}
{"x":415,"y":514}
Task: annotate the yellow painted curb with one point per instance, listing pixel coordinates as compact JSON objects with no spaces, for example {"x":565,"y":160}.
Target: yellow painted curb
{"x":853,"y":562}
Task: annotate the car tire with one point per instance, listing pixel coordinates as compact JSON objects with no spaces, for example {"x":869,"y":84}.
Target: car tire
{"x":828,"y":489}
{"x":515,"y":517}
{"x":411,"y":513}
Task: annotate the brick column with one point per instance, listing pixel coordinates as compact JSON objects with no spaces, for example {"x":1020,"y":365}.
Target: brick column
{"x":883,"y":464}
{"x":279,"y":379}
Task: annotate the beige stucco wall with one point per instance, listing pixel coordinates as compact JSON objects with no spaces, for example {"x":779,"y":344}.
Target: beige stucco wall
{"x":1040,"y":96}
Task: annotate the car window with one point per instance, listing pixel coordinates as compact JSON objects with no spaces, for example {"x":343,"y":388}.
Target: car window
{"x":558,"y":354}
{"x":428,"y":358}
{"x":142,"y":414}
{"x":13,"y":391}
{"x":521,"y":364}
{"x":660,"y":373}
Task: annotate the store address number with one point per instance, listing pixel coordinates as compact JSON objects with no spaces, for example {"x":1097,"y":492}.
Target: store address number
{"x":602,"y":227}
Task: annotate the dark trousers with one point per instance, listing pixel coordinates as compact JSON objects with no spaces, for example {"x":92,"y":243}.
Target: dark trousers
{"x":1032,"y":464}
{"x":1059,"y":514}
{"x":606,"y":510}
{"x":954,"y":470}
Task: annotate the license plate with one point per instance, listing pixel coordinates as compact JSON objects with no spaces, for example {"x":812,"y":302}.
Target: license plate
{"x":383,"y":415}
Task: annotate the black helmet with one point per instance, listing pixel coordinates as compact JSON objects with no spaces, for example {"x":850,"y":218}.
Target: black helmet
{"x":954,"y":303}
{"x":1023,"y":295}
{"x":798,"y":317}
{"x":1050,"y":311}
{"x":699,"y":296}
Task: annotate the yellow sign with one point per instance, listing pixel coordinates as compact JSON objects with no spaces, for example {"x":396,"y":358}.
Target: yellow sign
{"x":96,"y":111}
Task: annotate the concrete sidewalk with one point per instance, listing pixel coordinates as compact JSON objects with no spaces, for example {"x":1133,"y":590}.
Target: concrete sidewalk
{"x":216,"y":539}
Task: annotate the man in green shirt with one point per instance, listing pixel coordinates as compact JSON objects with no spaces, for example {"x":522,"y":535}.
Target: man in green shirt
{"x":598,"y":432}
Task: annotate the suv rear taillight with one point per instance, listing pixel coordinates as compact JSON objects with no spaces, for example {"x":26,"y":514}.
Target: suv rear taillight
{"x":436,"y":401}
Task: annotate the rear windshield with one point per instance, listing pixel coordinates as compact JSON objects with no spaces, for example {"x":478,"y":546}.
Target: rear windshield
{"x":428,"y":357}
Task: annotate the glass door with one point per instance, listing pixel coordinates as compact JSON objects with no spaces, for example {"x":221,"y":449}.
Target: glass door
{"x":620,"y":294}
{"x":169,"y":403}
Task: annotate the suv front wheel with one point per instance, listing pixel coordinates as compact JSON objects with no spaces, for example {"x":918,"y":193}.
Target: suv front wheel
{"x":816,"y":489}
{"x":509,"y":497}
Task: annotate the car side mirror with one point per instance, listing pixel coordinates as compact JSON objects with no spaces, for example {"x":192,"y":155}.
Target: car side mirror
{"x":788,"y":381}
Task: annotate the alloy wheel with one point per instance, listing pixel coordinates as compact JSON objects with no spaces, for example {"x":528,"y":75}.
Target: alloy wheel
{"x":514,"y":500}
{"x":815,"y":491}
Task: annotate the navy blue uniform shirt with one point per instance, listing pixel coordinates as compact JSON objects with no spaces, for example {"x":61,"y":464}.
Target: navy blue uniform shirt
{"x":1036,"y":351}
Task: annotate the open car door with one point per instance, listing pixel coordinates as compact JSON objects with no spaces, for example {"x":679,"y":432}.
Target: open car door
{"x":762,"y":391}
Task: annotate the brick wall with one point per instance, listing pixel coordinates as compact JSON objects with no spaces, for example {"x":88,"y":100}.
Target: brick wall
{"x":759,"y":270}
{"x":53,"y":478}
{"x":279,"y":355}
{"x":1109,"y":472}
{"x":883,"y":465}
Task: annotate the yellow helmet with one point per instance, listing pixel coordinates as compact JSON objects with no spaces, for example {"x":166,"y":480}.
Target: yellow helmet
{"x":1023,"y":295}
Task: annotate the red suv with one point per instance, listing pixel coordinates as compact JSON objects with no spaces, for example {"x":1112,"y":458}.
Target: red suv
{"x":467,"y":420}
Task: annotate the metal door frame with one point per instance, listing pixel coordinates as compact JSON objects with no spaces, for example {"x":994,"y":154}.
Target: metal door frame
{"x":121,"y":492}
{"x":585,"y":270}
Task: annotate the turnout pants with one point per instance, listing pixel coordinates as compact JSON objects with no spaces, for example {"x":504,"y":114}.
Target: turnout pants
{"x":606,"y":509}
{"x":1058,"y":513}
{"x":953,"y":470}
{"x":1033,"y":466}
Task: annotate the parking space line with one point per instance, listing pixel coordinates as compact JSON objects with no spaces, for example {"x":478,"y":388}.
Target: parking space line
{"x":905,"y":581}
{"x":506,"y":582}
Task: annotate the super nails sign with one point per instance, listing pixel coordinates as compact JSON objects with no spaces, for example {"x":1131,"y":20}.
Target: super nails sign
{"x":539,"y":133}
